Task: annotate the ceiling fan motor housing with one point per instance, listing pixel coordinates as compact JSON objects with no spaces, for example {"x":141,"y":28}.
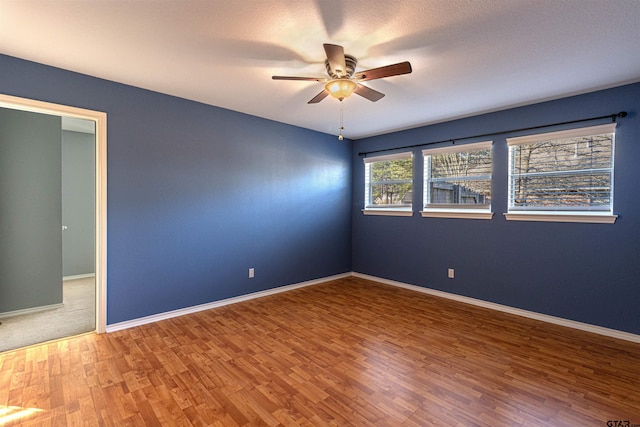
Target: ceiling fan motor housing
{"x":349,"y":61}
{"x":343,"y":80}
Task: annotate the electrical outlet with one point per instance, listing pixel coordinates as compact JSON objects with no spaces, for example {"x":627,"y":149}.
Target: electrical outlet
{"x":451,"y":273}
{"x":252,"y":273}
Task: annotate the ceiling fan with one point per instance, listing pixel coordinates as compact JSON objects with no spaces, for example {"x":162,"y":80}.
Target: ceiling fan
{"x":343,"y":81}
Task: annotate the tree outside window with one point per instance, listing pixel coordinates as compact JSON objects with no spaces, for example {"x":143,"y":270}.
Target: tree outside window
{"x":573,"y":173}
{"x":458,"y":177}
{"x":389,"y":181}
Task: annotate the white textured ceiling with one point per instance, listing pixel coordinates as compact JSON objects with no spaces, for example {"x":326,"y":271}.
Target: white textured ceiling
{"x":468,"y":56}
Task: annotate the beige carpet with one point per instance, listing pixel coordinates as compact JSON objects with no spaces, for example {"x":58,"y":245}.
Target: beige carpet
{"x":78,"y":315}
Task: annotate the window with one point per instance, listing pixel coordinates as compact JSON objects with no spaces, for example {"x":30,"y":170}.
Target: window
{"x":457,"y":181}
{"x":562,"y":176}
{"x":389,"y":184}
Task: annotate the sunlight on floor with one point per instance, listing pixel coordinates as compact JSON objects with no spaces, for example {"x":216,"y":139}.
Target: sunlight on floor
{"x":13,"y":413}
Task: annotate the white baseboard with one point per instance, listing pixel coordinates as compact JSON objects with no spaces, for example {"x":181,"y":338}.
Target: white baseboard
{"x":32,"y":310}
{"x":78,"y":276}
{"x":504,"y":308}
{"x":196,"y":308}
{"x":613,"y":333}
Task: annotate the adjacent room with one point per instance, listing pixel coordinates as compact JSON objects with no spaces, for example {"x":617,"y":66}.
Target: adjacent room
{"x":319,"y":212}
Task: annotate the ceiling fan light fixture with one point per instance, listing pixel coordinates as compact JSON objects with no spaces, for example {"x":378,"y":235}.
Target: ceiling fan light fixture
{"x":343,"y":79}
{"x":341,"y":88}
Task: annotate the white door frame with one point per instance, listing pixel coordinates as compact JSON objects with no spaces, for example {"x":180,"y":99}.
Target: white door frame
{"x":100,"y":120}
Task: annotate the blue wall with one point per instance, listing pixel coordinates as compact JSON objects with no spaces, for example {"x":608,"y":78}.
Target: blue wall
{"x":197,"y":195}
{"x":583,"y":272}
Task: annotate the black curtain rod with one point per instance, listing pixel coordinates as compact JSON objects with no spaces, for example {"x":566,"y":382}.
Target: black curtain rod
{"x":613,"y":118}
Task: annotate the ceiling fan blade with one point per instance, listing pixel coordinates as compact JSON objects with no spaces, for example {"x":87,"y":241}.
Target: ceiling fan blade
{"x":319,"y":97}
{"x":386,"y":71}
{"x":367,"y":92}
{"x":337,"y":63}
{"x":310,"y":79}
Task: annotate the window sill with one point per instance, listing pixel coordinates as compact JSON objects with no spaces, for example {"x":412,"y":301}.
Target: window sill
{"x":592,"y":218}
{"x":387,"y":212}
{"x":461,"y":213}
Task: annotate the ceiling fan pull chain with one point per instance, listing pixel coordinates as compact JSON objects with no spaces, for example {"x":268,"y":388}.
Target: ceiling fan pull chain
{"x":340,"y":137}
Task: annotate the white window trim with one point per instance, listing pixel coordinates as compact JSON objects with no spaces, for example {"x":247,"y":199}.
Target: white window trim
{"x":395,"y":210}
{"x":591,"y":218}
{"x":485,"y":145}
{"x":569,"y":216}
{"x":460,"y":213}
{"x":396,"y":156}
{"x":388,"y":212}
{"x":563,"y":134}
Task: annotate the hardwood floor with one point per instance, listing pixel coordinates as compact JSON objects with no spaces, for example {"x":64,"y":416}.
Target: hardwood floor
{"x":345,"y":353}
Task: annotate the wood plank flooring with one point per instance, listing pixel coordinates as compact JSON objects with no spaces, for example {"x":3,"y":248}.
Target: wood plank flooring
{"x":344,"y":353}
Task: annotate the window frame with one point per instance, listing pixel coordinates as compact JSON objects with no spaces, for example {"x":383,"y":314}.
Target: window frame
{"x":453,"y":211}
{"x":389,"y":210}
{"x":559,"y":214}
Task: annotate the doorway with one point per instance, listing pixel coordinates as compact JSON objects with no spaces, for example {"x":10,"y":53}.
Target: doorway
{"x":84,"y":270}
